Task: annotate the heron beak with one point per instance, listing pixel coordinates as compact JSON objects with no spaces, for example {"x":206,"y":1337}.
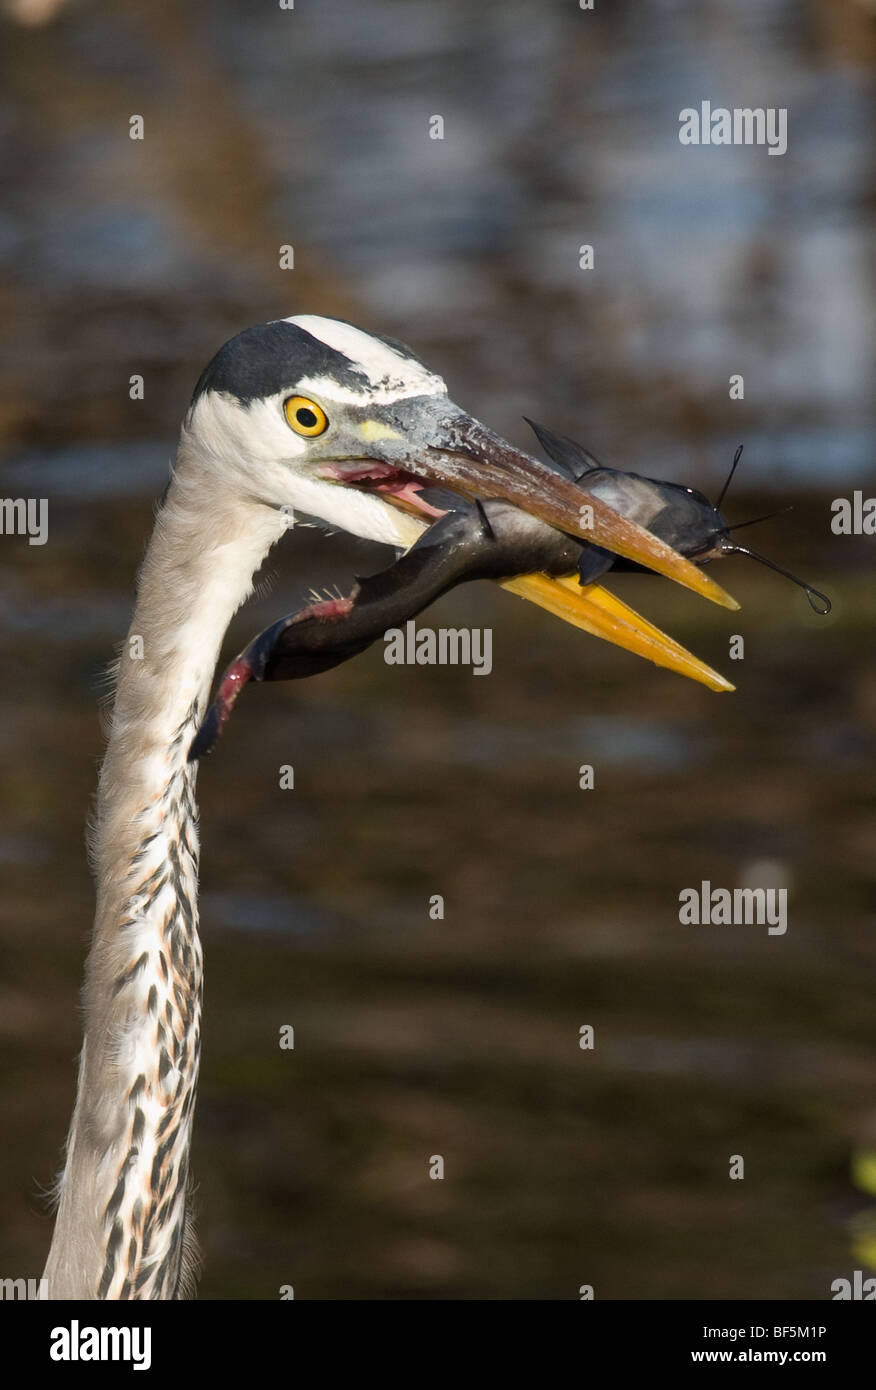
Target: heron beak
{"x":468,"y":458}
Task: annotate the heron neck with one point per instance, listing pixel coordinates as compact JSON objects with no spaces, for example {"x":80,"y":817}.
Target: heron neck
{"x":121,"y":1224}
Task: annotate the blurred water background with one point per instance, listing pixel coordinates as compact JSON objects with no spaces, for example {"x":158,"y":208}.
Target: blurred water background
{"x":310,"y":127}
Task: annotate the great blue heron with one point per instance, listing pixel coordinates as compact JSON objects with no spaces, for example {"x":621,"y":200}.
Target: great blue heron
{"x":300,"y":416}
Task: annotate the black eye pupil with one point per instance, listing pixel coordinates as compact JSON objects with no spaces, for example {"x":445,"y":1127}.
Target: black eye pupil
{"x":305,"y":417}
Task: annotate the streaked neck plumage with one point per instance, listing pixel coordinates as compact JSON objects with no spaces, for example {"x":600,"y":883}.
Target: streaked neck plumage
{"x":121,"y":1228}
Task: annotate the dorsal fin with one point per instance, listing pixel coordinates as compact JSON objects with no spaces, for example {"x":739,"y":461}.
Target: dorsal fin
{"x":572,"y":458}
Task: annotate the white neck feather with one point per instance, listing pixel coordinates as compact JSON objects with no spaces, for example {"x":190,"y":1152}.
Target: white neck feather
{"x":121,"y":1225}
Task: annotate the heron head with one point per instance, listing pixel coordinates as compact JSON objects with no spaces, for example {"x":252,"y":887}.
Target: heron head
{"x":318,"y":417}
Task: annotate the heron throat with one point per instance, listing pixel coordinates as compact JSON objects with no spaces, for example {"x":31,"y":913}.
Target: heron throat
{"x":122,"y":1229}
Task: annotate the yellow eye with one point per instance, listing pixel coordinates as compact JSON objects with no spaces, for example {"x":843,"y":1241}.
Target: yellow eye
{"x":305,"y":416}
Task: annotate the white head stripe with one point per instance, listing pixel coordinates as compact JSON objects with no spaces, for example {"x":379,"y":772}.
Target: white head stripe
{"x":326,"y":388}
{"x":391,"y":374}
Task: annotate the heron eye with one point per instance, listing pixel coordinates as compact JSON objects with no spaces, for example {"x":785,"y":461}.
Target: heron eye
{"x":305,"y":416}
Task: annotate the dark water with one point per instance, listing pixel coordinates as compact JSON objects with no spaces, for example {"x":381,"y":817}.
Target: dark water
{"x":460,"y":1037}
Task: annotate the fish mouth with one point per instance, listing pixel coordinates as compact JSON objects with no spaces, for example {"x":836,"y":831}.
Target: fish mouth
{"x":470,"y":458}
